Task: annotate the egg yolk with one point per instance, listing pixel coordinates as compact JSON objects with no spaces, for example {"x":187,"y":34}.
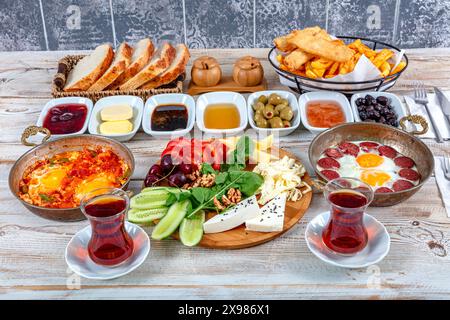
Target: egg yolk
{"x":369,"y":160}
{"x":52,"y":179}
{"x":375,"y":178}
{"x":92,"y":184}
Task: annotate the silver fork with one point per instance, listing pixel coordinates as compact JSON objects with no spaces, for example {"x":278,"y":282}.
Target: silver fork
{"x":446,"y":167}
{"x":420,"y":97}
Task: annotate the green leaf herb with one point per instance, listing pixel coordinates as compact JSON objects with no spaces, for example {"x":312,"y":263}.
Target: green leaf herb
{"x":93,"y":153}
{"x":207,"y":168}
{"x":45,"y":197}
{"x":246,"y":181}
{"x":237,"y":159}
{"x":177,"y":197}
{"x":221,"y":177}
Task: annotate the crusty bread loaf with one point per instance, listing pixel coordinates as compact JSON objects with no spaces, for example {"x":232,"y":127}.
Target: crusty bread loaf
{"x":160,"y":62}
{"x":120,"y":63}
{"x":143,"y":52}
{"x":177,"y":67}
{"x":89,"y":69}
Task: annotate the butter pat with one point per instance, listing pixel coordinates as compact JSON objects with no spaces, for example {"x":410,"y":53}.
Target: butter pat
{"x":116,"y":127}
{"x":116,"y":112}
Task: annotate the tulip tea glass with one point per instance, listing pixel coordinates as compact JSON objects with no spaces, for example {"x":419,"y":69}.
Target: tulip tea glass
{"x":110,"y":243}
{"x":345,"y":232}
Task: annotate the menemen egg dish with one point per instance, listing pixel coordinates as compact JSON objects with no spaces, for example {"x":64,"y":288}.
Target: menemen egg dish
{"x":62,"y":180}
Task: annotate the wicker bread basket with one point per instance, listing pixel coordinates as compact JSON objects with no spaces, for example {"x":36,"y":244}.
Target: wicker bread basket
{"x":66,"y":64}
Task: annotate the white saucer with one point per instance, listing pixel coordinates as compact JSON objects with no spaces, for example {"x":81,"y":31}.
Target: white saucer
{"x":377,"y":247}
{"x":78,"y":259}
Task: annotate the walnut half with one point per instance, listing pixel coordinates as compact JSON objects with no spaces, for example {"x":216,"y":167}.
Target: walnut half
{"x":233,"y":197}
{"x":218,"y":205}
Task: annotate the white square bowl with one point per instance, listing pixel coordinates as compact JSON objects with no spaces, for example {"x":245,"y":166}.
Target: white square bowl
{"x":135,"y":102}
{"x":396,"y":103}
{"x":56,"y":102}
{"x":337,"y":97}
{"x":277,"y":131}
{"x":165,"y":99}
{"x":222,"y":97}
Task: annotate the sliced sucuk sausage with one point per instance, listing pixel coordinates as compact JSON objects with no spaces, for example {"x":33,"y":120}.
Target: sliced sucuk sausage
{"x":387,"y":151}
{"x":401,"y":185}
{"x":328,"y":163}
{"x":369,"y":145}
{"x":383,"y":190}
{"x":333,"y":153}
{"x":349,"y":148}
{"x":330,"y":174}
{"x":409,"y":174}
{"x":404,"y":162}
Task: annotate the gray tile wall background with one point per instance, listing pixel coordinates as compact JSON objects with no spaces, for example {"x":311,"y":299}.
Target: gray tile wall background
{"x":83,"y":24}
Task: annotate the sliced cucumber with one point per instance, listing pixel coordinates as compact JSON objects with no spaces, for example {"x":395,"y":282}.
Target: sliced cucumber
{"x":191,"y":230}
{"x":154,"y":189}
{"x":171,"y":220}
{"x":146,"y":216}
{"x":150,"y":199}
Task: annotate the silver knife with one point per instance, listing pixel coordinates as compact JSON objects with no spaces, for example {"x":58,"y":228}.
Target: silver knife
{"x":444,"y":103}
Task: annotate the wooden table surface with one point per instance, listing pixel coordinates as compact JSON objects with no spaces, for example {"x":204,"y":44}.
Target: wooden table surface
{"x":32,"y":249}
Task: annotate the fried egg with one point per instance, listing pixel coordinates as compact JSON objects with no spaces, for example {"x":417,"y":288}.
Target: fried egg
{"x":47,"y":179}
{"x":377,"y":178}
{"x":94,"y":182}
{"x":371,"y":168}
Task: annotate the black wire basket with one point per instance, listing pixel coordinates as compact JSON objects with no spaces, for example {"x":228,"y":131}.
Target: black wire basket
{"x":302,"y":84}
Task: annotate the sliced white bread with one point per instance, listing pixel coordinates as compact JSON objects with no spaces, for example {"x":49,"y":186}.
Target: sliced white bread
{"x":143,"y":52}
{"x":160,"y":62}
{"x":89,"y":69}
{"x":120,"y":63}
{"x":177,"y":67}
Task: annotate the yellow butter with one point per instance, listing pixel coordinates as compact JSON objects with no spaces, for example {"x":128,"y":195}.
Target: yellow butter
{"x":116,"y":127}
{"x":116,"y":112}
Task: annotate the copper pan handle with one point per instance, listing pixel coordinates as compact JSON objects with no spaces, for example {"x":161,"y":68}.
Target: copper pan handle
{"x":318,"y":184}
{"x":31,"y":131}
{"x":417,"y":119}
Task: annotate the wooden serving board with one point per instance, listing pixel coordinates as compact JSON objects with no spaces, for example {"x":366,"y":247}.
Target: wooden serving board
{"x":239,"y":238}
{"x":226,"y":84}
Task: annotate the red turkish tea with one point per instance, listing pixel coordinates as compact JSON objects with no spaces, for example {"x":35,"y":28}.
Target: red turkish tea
{"x":345,"y":232}
{"x":110,"y":243}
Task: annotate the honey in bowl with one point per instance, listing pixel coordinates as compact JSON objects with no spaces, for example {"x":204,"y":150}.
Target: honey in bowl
{"x":324,"y":114}
{"x":221,"y":116}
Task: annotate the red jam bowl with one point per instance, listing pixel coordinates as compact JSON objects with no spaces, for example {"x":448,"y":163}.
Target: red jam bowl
{"x":66,"y":118}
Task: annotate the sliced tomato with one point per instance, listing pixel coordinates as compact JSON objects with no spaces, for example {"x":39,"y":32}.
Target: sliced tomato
{"x":215,"y":153}
{"x":194,"y":151}
{"x":167,"y":150}
{"x":177,"y":149}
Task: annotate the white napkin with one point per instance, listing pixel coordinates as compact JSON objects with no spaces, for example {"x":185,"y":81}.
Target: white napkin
{"x":436,"y":113}
{"x":443,"y":184}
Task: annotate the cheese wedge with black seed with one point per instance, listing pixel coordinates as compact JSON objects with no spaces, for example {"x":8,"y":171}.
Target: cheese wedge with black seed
{"x":271,"y":217}
{"x":233,"y":217}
